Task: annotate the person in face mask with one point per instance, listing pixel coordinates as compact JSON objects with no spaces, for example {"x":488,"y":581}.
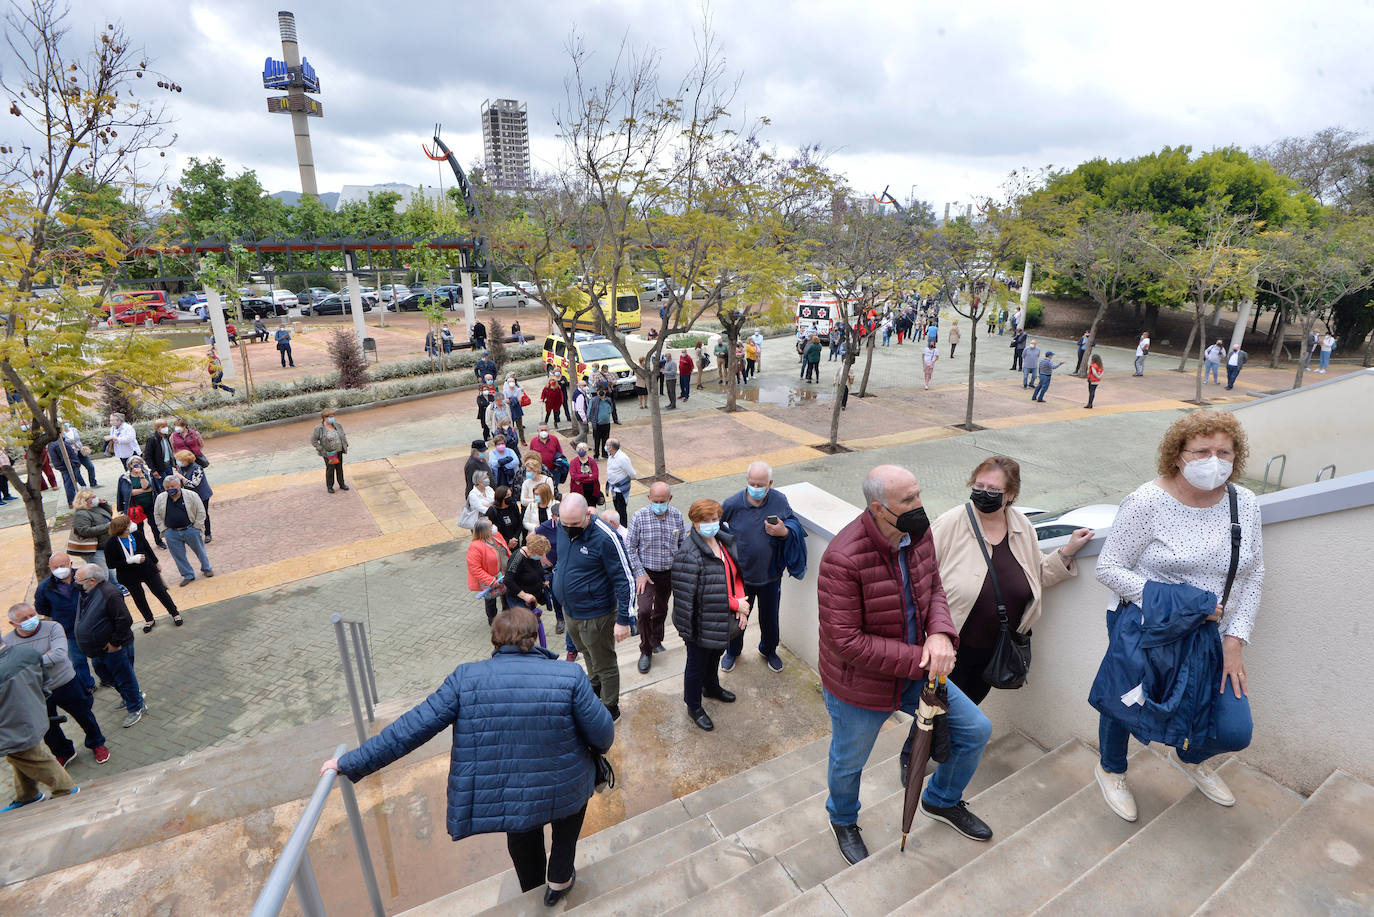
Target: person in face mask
{"x":757,"y":517}
{"x":652,"y":539}
{"x":331,"y":443}
{"x":1177,"y":531}
{"x":884,"y":628}
{"x":549,"y":448}
{"x":1023,"y":571}
{"x":57,"y":598}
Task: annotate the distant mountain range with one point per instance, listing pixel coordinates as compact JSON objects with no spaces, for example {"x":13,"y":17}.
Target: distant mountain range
{"x":329,"y":198}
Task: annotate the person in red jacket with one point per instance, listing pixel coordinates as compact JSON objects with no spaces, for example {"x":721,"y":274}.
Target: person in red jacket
{"x":552,"y":396}
{"x":546,"y":445}
{"x":685,"y":367}
{"x":885,"y":626}
{"x":1095,"y":373}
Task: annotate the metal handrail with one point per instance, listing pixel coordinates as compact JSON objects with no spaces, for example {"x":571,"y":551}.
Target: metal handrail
{"x":365,"y":679}
{"x":1282,"y":459}
{"x":1332,"y":466}
{"x":294,"y":868}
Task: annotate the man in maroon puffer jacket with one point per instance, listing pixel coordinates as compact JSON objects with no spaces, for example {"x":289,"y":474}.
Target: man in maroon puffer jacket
{"x":885,"y":624}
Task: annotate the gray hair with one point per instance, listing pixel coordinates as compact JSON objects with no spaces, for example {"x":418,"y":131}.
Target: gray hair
{"x":18,"y":607}
{"x":875,"y":489}
{"x":94,"y":572}
{"x":613,"y":444}
{"x":180,"y":481}
{"x":119,"y":418}
{"x":611,"y":516}
{"x":480,"y":476}
{"x":767,"y":469}
{"x":481,"y":529}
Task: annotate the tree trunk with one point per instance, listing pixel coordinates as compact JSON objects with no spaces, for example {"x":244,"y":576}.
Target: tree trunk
{"x":972,"y":355}
{"x":839,"y":389}
{"x":31,"y":492}
{"x":1369,"y":351}
{"x":1276,"y":343}
{"x":1307,"y":327}
{"x":1092,"y":339}
{"x":732,"y":378}
{"x":1192,"y":336}
{"x":868,"y":363}
{"x":656,"y":416}
{"x":1200,"y":332}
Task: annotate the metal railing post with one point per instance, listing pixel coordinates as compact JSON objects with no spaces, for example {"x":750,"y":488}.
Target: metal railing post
{"x":308,"y":888}
{"x":1332,"y":466}
{"x":355,"y":824}
{"x":1282,"y":459}
{"x":367,"y":660}
{"x":348,"y":678}
{"x":354,"y":627}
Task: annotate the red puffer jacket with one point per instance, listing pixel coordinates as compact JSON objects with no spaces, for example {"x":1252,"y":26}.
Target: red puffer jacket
{"x":864,"y":656}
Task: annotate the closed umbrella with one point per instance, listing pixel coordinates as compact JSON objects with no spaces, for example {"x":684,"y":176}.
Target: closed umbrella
{"x":934,"y":702}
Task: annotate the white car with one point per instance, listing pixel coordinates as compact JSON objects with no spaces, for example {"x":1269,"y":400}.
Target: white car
{"x":651,"y":292}
{"x":284,"y":298}
{"x":529,"y":288}
{"x":501,"y":298}
{"x":1095,"y":516}
{"x":394,"y":292}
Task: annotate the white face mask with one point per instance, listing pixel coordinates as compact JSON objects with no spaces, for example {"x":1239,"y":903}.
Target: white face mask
{"x":177,"y":429}
{"x":543,"y":434}
{"x":1207,"y":474}
{"x":62,"y":572}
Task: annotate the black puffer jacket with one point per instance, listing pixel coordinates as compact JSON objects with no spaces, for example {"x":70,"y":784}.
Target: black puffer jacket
{"x":701,"y":596}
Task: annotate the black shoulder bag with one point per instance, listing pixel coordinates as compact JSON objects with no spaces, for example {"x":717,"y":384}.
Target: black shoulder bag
{"x":1011,"y":656}
{"x":1235,"y":544}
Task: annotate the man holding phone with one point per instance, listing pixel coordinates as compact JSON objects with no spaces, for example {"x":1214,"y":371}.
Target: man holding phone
{"x":757,"y":516}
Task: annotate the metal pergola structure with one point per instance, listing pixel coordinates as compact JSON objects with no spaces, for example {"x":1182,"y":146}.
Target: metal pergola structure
{"x":361,"y":255}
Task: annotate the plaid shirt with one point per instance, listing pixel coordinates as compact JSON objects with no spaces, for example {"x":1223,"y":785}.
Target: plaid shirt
{"x":653,"y":540}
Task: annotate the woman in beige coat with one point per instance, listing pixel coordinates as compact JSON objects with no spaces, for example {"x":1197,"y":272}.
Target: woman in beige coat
{"x":1024,"y":572}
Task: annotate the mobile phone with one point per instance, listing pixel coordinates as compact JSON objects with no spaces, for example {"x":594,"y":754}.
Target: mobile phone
{"x":772,"y":520}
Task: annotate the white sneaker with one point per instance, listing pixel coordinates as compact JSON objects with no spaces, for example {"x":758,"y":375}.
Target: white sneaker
{"x":1118,"y":795}
{"x":1206,"y":780}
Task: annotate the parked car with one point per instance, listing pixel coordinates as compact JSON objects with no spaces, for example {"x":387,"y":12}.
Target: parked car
{"x":139,"y":307}
{"x":590,"y":349}
{"x":501,"y":298}
{"x":651,"y":292}
{"x":261,"y":307}
{"x":443,"y":289}
{"x":1094,"y":516}
{"x":313,"y":294}
{"x":392,"y":292}
{"x":332,"y":305}
{"x":283,"y":297}
{"x":483,"y":289}
{"x":528,"y":287}
{"x":369,"y":295}
{"x":415,"y":302}
{"x":187,"y":302}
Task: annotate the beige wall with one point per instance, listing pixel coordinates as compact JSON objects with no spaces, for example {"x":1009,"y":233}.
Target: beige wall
{"x":1310,"y":666}
{"x":1314,"y":426}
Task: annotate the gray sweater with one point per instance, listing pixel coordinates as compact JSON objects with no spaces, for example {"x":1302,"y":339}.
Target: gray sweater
{"x":23,"y":710}
{"x":50,"y":640}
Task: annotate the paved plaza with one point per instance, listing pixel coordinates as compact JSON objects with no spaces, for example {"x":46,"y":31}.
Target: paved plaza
{"x":258,"y":653}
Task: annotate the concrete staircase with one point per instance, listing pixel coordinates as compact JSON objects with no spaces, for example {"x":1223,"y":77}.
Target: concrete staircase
{"x":759,"y":843}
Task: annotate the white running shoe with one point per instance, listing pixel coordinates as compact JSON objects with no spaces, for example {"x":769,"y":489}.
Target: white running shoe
{"x":1206,"y":780}
{"x":1118,"y":795}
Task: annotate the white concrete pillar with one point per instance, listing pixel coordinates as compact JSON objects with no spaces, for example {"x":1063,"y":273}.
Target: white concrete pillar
{"x":469,"y":313}
{"x":1025,"y":296}
{"x":1242,"y":317}
{"x":355,"y":293}
{"x":220,"y":334}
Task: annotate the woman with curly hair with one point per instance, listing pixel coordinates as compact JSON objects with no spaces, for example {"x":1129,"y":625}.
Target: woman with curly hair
{"x":1177,"y":531}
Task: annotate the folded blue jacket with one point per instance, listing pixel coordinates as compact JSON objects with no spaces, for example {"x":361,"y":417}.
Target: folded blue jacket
{"x":1162,"y":670}
{"x":790,"y":556}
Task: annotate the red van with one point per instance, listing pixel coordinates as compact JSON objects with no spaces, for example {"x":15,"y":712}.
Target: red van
{"x":140,"y":307}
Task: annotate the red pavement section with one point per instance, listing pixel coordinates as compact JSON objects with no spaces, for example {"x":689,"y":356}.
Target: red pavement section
{"x":439,"y":486}
{"x":697,"y":439}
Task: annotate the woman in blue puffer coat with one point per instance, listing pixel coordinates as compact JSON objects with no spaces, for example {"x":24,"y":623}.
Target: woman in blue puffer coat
{"x":525,"y":728}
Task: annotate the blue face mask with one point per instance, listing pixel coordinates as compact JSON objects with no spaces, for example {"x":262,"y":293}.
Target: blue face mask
{"x":756,"y":493}
{"x":659,"y":508}
{"x":709,"y":529}
{"x":529,"y":475}
{"x":29,"y":626}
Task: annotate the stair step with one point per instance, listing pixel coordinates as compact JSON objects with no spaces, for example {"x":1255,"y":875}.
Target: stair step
{"x":751,"y":892}
{"x":687,"y":878}
{"x":816,"y":858}
{"x":608,"y":874}
{"x":1039,"y":861}
{"x":890,"y":877}
{"x":782,"y":795}
{"x":608,"y":842}
{"x":1172,"y":864}
{"x":1320,"y":861}
{"x":701,"y":801}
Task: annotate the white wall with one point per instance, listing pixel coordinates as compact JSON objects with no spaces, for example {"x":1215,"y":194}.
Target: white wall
{"x":1314,"y":426}
{"x":1310,"y":667}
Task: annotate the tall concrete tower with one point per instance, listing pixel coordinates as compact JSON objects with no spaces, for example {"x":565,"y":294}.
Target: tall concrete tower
{"x":506,"y":142}
{"x":297,"y":77}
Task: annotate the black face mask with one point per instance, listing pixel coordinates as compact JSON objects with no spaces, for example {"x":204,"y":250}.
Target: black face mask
{"x":986,"y":502}
{"x":913,"y":522}
{"x":574,"y":531}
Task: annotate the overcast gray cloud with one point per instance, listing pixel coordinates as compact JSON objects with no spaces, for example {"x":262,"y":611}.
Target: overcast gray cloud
{"x":944,"y":97}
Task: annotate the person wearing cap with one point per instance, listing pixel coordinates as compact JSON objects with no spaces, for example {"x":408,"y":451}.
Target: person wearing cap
{"x":1045,"y":369}
{"x":477,"y":461}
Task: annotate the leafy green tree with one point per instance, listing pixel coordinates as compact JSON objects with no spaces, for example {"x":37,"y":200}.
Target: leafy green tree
{"x":209,"y":203}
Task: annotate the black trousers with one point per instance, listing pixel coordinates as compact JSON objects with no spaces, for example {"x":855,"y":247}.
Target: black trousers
{"x":73,"y":700}
{"x":618,"y":501}
{"x":600,"y":433}
{"x":701,"y":674}
{"x":1092,"y":392}
{"x":526,"y":850}
{"x":653,"y":609}
{"x":147,"y":575}
{"x":332,"y":473}
{"x":968,"y":671}
{"x":1017,"y":356}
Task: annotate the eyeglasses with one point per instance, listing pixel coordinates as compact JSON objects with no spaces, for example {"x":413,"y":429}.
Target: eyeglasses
{"x":997,"y":491}
{"x":1224,"y":454}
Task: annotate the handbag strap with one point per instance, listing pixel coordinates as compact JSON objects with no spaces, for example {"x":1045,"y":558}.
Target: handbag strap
{"x":992,"y":573}
{"x":1235,"y":543}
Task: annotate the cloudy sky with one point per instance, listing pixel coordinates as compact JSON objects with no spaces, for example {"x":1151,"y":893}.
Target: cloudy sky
{"x":943,"y":98}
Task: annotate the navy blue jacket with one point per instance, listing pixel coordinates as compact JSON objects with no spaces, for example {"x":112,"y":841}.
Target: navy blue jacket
{"x":523,"y":724}
{"x":753,"y":546}
{"x":1167,"y":648}
{"x":58,"y":604}
{"x":592,"y":577}
{"x":790,"y":556}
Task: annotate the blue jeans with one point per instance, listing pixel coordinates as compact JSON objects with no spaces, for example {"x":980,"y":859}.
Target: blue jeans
{"x":176,"y":544}
{"x":87,"y":464}
{"x":121,"y":666}
{"x":79,"y":663}
{"x":1042,"y":385}
{"x":1325,"y":359}
{"x":764,"y":599}
{"x":1209,"y":369}
{"x":686,"y":387}
{"x":1232,"y":374}
{"x":1230,"y":717}
{"x":1029,"y":375}
{"x":853,"y":730}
